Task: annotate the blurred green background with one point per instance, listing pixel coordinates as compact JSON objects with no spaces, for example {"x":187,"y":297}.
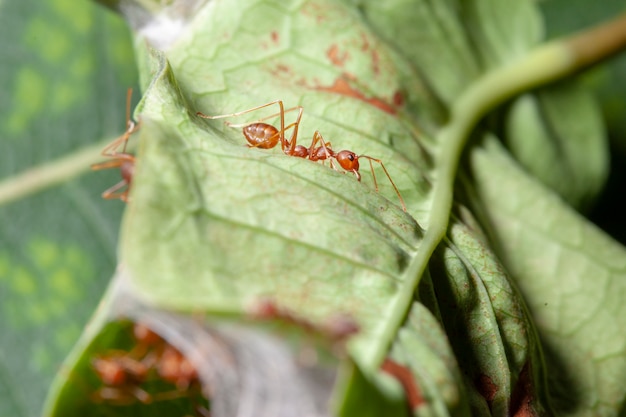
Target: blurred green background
{"x":608,"y":82}
{"x":64,"y":69}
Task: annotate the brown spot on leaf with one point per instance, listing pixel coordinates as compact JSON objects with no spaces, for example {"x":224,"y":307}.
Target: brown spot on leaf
{"x":405,"y":378}
{"x":522,"y":396}
{"x":275,"y":37}
{"x":341,"y":86}
{"x":316,"y":11}
{"x":365,"y":44}
{"x":398,"y":99}
{"x":337,"y":58}
{"x":375,"y":62}
{"x":282,"y":68}
{"x":486,"y":387}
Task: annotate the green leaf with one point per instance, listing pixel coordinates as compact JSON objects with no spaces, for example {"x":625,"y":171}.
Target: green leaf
{"x":444,"y":59}
{"x":489,"y":335}
{"x":456,"y":41}
{"x":362,"y":245}
{"x":557,"y":135}
{"x":380,"y":398}
{"x":423,"y":348}
{"x":573,"y":279}
{"x":201,"y":237}
{"x":489,"y":328}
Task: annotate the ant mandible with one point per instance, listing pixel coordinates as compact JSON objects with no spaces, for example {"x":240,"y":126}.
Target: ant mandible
{"x":122,"y":160}
{"x":266,"y":136}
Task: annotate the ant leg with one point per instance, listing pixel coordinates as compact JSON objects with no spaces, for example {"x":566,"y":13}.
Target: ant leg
{"x":388,"y":176}
{"x":142,"y":395}
{"x":287,"y":145}
{"x":271,"y":116}
{"x":317,"y":136}
{"x":129,"y":122}
{"x":294,"y":135}
{"x":374,"y":175}
{"x":273,"y":136}
{"x":121,"y":395}
{"x":131,"y":127}
{"x":329,"y":149}
{"x":110,"y":194}
{"x":116,"y":163}
{"x":281,"y":113}
{"x":222,"y":116}
{"x":327,"y":152}
{"x":110,"y":149}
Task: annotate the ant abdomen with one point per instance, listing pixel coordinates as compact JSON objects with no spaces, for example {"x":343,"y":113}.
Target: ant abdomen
{"x":127,"y":169}
{"x":261,"y":135}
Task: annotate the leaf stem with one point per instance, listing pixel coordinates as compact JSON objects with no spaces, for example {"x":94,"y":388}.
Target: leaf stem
{"x":50,"y":174}
{"x":547,"y":63}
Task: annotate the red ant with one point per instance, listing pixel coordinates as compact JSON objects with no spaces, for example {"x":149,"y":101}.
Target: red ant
{"x":265,"y":136}
{"x":122,"y":160}
{"x":122,"y":376}
{"x":123,"y":373}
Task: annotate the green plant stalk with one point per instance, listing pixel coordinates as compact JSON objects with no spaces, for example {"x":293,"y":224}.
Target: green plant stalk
{"x":547,"y":63}
{"x":50,"y":174}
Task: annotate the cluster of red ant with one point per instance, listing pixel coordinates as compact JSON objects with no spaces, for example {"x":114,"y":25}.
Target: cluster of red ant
{"x":124,"y":374}
{"x":258,"y":134}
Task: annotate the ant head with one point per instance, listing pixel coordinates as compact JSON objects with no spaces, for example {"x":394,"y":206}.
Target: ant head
{"x":110,"y":371}
{"x":176,"y":368}
{"x":348,"y":160}
{"x":143,"y":334}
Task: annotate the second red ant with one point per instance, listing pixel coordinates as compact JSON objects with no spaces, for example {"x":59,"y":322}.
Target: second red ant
{"x":122,"y":160}
{"x":265,"y":136}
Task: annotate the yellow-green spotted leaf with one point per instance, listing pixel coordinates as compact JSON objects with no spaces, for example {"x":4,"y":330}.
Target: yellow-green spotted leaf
{"x":64,"y":69}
